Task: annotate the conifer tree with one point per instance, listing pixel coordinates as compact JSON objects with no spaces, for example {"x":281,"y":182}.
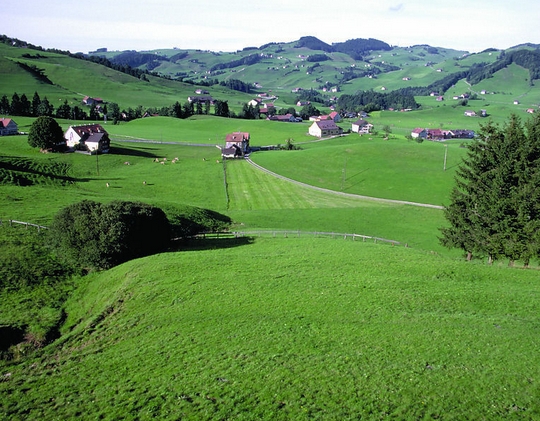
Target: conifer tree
{"x":494,"y":209}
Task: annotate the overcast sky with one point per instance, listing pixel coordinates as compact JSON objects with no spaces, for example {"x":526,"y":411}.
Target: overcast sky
{"x":230,"y":25}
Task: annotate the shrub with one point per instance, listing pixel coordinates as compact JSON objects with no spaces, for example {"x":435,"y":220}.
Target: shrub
{"x":100,"y":236}
{"x":45,"y":133}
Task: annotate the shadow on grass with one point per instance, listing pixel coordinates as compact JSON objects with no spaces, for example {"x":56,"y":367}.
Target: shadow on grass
{"x":140,"y":152}
{"x":209,"y":243}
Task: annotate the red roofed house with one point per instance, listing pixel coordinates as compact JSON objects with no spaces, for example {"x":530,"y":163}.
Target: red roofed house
{"x":236,"y":145}
{"x":334,"y":116}
{"x":419,"y":133}
{"x":8,"y":126}
{"x":90,"y":137}
{"x":324,"y":128}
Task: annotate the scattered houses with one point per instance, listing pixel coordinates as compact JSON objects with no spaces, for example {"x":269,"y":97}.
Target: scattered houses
{"x":440,"y":134}
{"x":8,"y":127}
{"x":288,"y":118}
{"x":200,"y":99}
{"x":323,"y":128}
{"x":90,"y":138}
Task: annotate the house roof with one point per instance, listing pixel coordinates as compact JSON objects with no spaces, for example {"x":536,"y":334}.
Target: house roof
{"x":418,"y":130}
{"x":237,"y":137}
{"x":360,"y":122}
{"x":5,"y":121}
{"x":326,"y":124}
{"x":87,"y":130}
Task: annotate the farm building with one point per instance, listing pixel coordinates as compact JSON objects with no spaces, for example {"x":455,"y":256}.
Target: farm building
{"x":90,"y":138}
{"x":92,"y":101}
{"x":361,"y":127}
{"x":8,"y":127}
{"x":324,"y":128}
{"x":236,"y":145}
{"x":419,"y":133}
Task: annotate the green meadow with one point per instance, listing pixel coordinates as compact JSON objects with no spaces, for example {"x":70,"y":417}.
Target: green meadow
{"x":292,"y":319}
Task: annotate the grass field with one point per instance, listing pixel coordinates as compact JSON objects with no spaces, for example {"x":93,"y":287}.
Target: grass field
{"x":289,"y":329}
{"x":271,"y":327}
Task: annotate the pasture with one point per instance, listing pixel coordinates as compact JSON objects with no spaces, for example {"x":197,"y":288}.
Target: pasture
{"x":288,"y":328}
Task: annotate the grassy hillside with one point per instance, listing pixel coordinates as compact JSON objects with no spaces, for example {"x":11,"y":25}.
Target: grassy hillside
{"x":331,"y":329}
{"x":296,"y":326}
{"x":73,"y":79}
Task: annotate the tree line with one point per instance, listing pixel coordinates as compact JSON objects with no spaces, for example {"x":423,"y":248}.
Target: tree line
{"x":373,"y":101}
{"x":494,"y":208}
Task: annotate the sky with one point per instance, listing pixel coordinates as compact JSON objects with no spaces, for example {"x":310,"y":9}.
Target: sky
{"x":230,"y":25}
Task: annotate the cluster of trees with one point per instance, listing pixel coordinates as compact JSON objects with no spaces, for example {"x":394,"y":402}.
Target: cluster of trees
{"x":494,"y":209}
{"x":236,"y":85}
{"x":373,"y":101}
{"x":529,"y":59}
{"x":244,"y":61}
{"x":188,"y":109}
{"x":356,"y":48}
{"x":22,"y":106}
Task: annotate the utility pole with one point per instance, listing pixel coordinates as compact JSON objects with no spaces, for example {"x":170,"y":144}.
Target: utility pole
{"x":445,"y":155}
{"x":344,"y":173}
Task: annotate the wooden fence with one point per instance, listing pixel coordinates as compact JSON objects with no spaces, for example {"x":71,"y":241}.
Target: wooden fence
{"x":10,"y":222}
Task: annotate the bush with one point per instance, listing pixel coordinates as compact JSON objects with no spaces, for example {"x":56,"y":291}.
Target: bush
{"x":45,"y":133}
{"x":100,"y":236}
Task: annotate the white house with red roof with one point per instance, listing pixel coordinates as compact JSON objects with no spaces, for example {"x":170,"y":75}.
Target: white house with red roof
{"x":8,"y":127}
{"x":89,"y":137}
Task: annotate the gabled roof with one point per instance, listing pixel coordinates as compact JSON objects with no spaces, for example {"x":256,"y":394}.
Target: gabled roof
{"x":5,"y":122}
{"x":418,"y":130}
{"x":326,"y":124}
{"x":360,"y":123}
{"x":237,"y":137}
{"x":88,"y":130}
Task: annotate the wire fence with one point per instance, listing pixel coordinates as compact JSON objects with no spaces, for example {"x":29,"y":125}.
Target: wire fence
{"x":298,"y":234}
{"x":256,"y":233}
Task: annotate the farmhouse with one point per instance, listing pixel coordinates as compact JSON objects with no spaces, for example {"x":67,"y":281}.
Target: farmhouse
{"x":236,"y":145}
{"x":419,"y":133}
{"x":324,"y":128}
{"x":8,"y":127}
{"x":361,"y":127}
{"x":91,"y":138}
{"x":289,"y":118}
{"x":201,"y":99}
{"x":92,"y":101}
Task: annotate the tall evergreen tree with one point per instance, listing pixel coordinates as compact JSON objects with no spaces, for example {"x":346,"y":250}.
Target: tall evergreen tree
{"x":36,"y":101}
{"x":494,"y":208}
{"x":4,"y":105}
{"x":15,"y":108}
{"x":26,"y":106}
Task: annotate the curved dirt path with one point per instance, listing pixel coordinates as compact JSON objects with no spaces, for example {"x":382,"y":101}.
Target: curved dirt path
{"x":357,"y":196}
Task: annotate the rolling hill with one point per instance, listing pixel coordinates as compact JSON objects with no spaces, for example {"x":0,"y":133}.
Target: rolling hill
{"x":292,"y":320}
